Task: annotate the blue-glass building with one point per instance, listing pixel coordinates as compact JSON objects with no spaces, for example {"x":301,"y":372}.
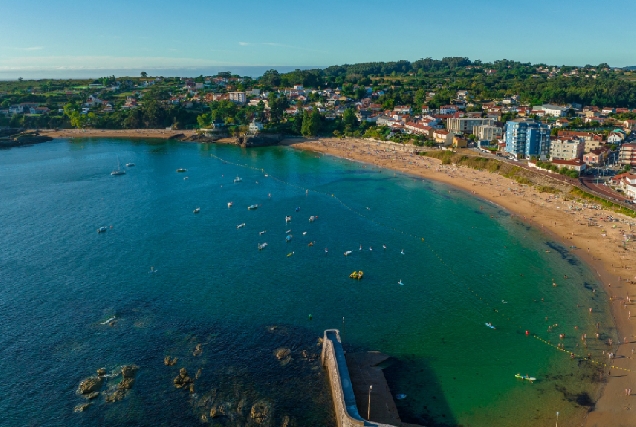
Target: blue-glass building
{"x":525,"y":138}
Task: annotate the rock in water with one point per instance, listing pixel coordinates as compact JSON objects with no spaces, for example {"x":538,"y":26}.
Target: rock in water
{"x":92,"y":395}
{"x":101,"y":372}
{"x":125,"y":384}
{"x":82,"y":407}
{"x":261,"y":411}
{"x":90,"y":385}
{"x":166,"y":360}
{"x":196,"y":377}
{"x":116,"y":396}
{"x":129,"y":371}
{"x":282,"y":353}
{"x":198,"y":350}
{"x":182,"y":380}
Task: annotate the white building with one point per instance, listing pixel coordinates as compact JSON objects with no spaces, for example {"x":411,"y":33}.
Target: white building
{"x":238,"y":97}
{"x":566,"y":149}
{"x":552,"y":110}
{"x":467,"y":125}
{"x":255,"y":127}
{"x":487,"y":132}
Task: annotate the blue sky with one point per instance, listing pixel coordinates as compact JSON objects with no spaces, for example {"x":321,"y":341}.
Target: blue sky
{"x":140,"y":34}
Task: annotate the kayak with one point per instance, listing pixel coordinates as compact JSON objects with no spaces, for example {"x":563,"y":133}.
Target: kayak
{"x":490,"y":325}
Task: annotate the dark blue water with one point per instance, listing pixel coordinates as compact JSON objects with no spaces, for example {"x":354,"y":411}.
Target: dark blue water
{"x":60,"y":280}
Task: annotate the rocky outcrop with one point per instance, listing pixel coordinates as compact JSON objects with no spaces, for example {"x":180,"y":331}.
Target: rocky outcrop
{"x":182,"y":380}
{"x":198,"y":351}
{"x":282,"y":353}
{"x":169,"y":362}
{"x":129,"y":371}
{"x":259,"y":140}
{"x":25,"y":138}
{"x":261,"y":412}
{"x":81,"y":407}
{"x":90,"y":385}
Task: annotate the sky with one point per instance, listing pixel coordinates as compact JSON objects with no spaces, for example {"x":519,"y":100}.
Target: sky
{"x":70,"y":35}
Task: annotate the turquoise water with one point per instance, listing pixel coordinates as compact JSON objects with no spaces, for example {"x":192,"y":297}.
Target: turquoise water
{"x":61,"y":280}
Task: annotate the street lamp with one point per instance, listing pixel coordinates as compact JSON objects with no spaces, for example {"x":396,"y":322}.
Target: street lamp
{"x":557,"y":420}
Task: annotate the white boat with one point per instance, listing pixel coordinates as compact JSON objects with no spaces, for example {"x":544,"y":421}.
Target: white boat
{"x":102,"y":229}
{"x":288,"y":231}
{"x":252,"y":207}
{"x":229,"y":205}
{"x":119,"y":170}
{"x":238,"y":179}
{"x":262,"y":232}
{"x":130,"y":165}
{"x":490,"y":325}
{"x":240,"y":226}
{"x":348,"y":253}
{"x":197,"y":210}
{"x":288,"y":237}
{"x":400,"y":283}
{"x":287,"y":218}
{"x":181,"y":170}
{"x":312,"y":218}
{"x":262,"y":246}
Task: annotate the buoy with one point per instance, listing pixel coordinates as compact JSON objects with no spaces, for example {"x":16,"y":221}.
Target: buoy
{"x":310,"y":316}
{"x":527,"y":332}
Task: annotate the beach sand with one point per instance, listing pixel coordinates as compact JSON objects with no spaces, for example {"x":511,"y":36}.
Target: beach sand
{"x":600,"y":243}
{"x":116,"y":133}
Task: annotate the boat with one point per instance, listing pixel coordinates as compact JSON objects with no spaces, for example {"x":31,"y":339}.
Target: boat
{"x":152,"y":270}
{"x":130,"y":165}
{"x":304,"y":233}
{"x":400,"y":396}
{"x":197,"y":210}
{"x":240,"y":226}
{"x":288,"y":237}
{"x":252,"y":207}
{"x":229,"y":205}
{"x":525,"y":377}
{"x":287,"y":218}
{"x":102,"y":229}
{"x":348,"y":253}
{"x":288,"y":231}
{"x":262,"y":246}
{"x":262,"y":232}
{"x":298,"y":209}
{"x":490,"y":325}
{"x":266,"y":175}
{"x":310,"y":244}
{"x":400,"y":283}
{"x":290,"y":254}
{"x":312,"y":218}
{"x":357,"y":275}
{"x":119,"y":170}
{"x":238,"y":179}
{"x":181,"y":170}
{"x":185,"y":178}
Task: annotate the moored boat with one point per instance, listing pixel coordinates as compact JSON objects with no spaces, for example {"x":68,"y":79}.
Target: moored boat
{"x":252,"y":207}
{"x":102,"y":229}
{"x":181,"y":170}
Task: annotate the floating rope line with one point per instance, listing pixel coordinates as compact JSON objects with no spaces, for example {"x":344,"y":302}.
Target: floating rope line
{"x":423,"y":240}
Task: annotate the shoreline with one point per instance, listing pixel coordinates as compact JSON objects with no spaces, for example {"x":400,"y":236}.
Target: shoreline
{"x":612,"y":406}
{"x":542,"y":210}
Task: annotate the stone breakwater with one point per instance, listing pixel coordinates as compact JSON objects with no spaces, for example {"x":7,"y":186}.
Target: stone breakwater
{"x":333,"y":360}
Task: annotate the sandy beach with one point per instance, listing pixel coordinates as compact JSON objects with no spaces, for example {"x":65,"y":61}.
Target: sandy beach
{"x":116,"y":133}
{"x":582,"y":225}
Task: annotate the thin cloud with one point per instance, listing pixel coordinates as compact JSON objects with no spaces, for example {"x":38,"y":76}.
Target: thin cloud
{"x":31,"y":48}
{"x":279,"y":45}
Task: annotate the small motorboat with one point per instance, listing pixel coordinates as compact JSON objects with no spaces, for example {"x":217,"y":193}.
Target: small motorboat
{"x":290,"y":254}
{"x":102,"y":229}
{"x":181,"y":170}
{"x":490,"y":325}
{"x":262,"y":232}
{"x":400,"y":283}
{"x":287,"y":218}
{"x":525,"y":377}
{"x":288,"y":231}
{"x":288,"y":238}
{"x":262,"y":246}
{"x":400,"y":396}
{"x":240,"y":226}
{"x":130,"y":165}
{"x":348,"y":253}
{"x":152,"y":270}
{"x":197,"y":210}
{"x":311,"y":244}
{"x":266,"y":175}
{"x":298,"y":209}
{"x":326,"y":250}
{"x":252,"y":207}
{"x":229,"y":205}
{"x":185,"y":178}
{"x":312,"y":218}
{"x":238,"y":179}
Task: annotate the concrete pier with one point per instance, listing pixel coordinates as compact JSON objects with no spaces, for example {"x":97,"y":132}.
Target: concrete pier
{"x":342,"y":388}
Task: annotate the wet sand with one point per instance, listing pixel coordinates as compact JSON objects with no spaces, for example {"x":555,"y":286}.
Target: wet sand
{"x":582,"y":225}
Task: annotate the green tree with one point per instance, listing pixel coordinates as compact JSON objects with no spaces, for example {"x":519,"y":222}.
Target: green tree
{"x":305,"y":128}
{"x":349,"y":117}
{"x":144,"y":74}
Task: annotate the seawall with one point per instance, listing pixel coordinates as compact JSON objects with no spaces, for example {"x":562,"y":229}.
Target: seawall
{"x":333,"y":360}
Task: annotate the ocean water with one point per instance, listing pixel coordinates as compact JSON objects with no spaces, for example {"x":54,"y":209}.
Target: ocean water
{"x":465,"y":262}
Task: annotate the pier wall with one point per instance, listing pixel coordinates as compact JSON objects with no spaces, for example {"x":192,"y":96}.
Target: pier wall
{"x":333,"y":360}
